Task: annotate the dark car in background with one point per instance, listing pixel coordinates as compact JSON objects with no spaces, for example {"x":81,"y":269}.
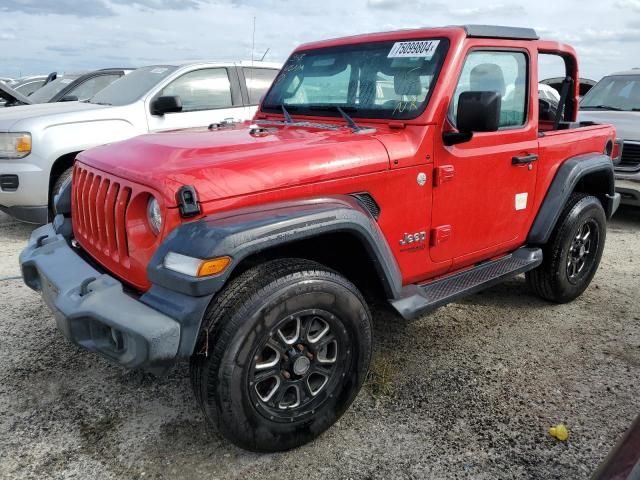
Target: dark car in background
{"x":66,"y":88}
{"x":623,"y":462}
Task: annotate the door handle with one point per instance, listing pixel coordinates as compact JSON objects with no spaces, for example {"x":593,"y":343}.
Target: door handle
{"x":524,"y":159}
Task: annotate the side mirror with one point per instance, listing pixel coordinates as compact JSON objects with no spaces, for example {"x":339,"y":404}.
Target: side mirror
{"x":166,"y":104}
{"x":69,"y":98}
{"x":477,"y":112}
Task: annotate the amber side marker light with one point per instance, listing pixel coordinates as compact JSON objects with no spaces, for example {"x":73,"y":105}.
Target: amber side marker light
{"x":23,"y":144}
{"x":195,"y":267}
{"x":213,"y":266}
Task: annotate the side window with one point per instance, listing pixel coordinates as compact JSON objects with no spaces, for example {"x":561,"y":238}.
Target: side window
{"x":205,"y":89}
{"x":502,"y":72}
{"x":92,"y":86}
{"x":258,"y":82}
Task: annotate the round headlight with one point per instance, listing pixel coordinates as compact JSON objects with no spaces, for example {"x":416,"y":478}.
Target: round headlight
{"x":154,"y":215}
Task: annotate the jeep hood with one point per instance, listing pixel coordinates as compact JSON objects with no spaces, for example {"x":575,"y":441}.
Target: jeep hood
{"x":10,"y":95}
{"x":24,"y":117}
{"x":231,"y":162}
{"x":627,"y":124}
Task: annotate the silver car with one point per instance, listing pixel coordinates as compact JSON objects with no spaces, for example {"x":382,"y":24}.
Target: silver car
{"x":38,"y":143}
{"x":616,"y":100}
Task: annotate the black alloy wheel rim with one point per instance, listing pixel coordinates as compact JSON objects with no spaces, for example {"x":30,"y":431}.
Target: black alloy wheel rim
{"x":582,"y":251}
{"x":299,"y":365}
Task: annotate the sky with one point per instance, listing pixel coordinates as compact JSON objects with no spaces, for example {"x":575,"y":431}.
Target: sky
{"x":40,"y":36}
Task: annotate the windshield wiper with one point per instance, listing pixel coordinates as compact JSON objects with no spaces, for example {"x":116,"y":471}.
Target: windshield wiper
{"x":287,"y":118}
{"x":601,"y":107}
{"x":352,"y":125}
{"x":355,"y":128}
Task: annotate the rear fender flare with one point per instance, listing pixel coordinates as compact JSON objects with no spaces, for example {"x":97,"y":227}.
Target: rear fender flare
{"x":571,"y":172}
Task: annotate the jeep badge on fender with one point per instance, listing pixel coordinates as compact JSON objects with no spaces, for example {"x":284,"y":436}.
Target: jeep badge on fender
{"x":412,"y":238}
{"x":257,"y":272}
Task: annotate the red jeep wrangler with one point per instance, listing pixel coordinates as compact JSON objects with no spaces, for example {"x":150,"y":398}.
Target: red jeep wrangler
{"x":415,"y":165}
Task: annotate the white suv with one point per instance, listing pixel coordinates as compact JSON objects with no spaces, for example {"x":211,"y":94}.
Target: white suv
{"x":38,"y":143}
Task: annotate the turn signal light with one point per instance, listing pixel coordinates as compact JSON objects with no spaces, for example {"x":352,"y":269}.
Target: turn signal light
{"x":213,"y":266}
{"x":23,"y":144}
{"x":196,"y":267}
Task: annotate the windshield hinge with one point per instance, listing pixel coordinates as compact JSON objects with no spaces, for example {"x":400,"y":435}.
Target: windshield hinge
{"x":443,"y":174}
{"x":397,"y":125}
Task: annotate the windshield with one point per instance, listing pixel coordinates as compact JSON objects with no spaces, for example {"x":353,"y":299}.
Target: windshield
{"x":27,"y":88}
{"x":46,"y":93}
{"x":618,"y":92}
{"x":374,"y":80}
{"x":133,"y":86}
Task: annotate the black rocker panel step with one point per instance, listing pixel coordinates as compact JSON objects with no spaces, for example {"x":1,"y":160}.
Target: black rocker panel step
{"x":417,"y":299}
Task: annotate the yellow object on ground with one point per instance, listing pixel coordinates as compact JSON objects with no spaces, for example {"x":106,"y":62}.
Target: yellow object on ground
{"x":559,"y":431}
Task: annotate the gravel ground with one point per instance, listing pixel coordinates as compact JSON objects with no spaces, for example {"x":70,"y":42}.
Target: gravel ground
{"x":467,"y":392}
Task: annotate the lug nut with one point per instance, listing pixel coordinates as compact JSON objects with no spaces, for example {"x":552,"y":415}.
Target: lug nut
{"x":286,"y":374}
{"x":300,"y":347}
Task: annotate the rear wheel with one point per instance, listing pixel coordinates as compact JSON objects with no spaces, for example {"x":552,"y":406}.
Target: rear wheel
{"x":283,"y":353}
{"x":572,"y":256}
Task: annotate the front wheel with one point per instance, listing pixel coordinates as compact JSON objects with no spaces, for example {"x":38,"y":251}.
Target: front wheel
{"x":60,"y":182}
{"x":572,"y":256}
{"x":284,"y":351}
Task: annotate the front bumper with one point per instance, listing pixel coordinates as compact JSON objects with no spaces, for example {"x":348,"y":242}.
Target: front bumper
{"x":37,"y":215}
{"x":29,"y":202}
{"x":92,"y":309}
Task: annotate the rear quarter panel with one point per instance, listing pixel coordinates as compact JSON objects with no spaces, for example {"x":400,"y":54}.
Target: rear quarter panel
{"x":558,"y":146}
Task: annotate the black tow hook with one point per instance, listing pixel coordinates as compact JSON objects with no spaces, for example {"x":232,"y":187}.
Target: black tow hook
{"x":84,"y":286}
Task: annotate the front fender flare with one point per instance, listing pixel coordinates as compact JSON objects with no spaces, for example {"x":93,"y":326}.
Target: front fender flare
{"x":244,"y":232}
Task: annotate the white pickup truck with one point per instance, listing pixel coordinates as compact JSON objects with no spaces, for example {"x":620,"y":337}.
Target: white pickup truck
{"x":38,"y":143}
{"x":615,"y":100}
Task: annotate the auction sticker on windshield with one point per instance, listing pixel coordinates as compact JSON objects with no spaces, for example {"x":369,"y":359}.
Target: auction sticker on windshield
{"x":420,"y":48}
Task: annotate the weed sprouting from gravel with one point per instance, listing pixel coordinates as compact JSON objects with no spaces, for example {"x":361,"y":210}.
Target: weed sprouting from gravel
{"x":380,"y":378}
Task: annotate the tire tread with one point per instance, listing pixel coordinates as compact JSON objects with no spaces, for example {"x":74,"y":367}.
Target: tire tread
{"x":233,"y":303}
{"x":543,"y":281}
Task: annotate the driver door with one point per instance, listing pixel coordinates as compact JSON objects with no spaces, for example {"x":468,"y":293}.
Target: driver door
{"x":484,"y":190}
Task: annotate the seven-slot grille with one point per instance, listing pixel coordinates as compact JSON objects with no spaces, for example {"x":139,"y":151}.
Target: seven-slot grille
{"x":630,"y":157}
{"x":99,"y":207}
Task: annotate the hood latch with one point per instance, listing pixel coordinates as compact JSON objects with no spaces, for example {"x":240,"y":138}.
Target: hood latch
{"x":188,"y":201}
